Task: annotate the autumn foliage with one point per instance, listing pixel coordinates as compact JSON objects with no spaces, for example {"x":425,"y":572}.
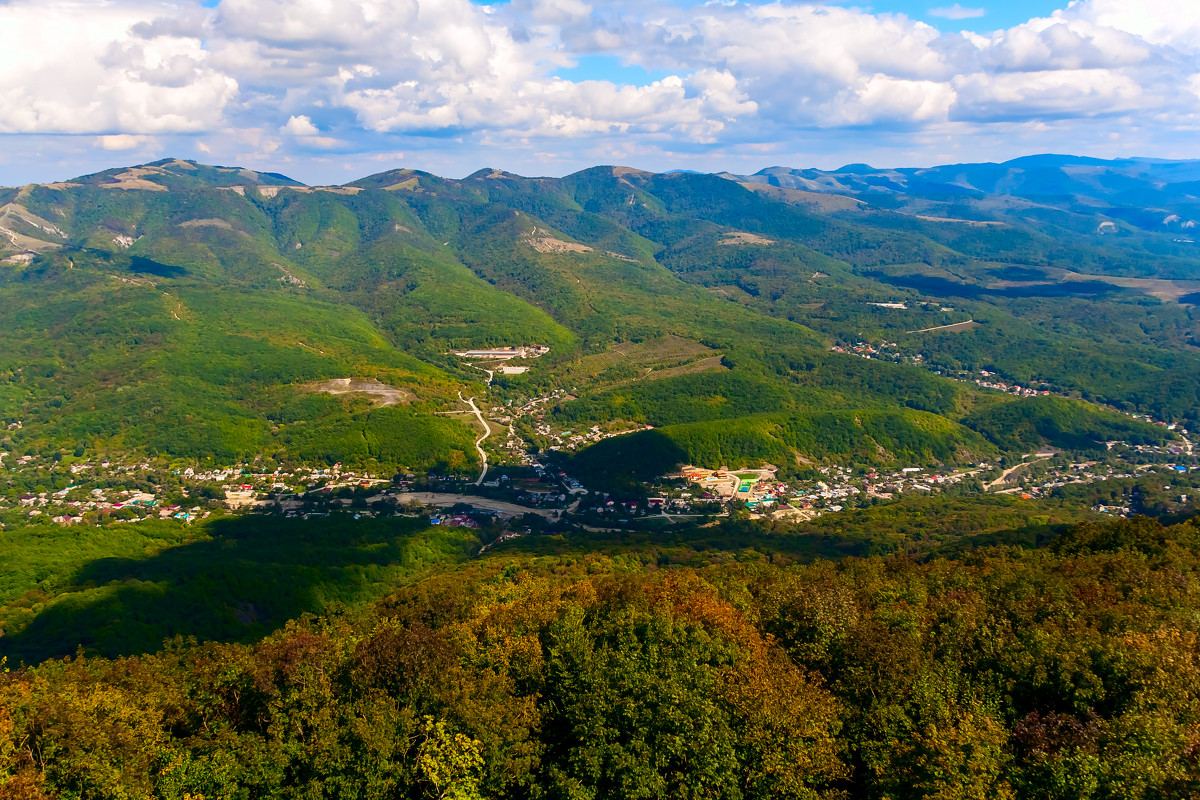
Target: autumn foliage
{"x":1063,"y":672}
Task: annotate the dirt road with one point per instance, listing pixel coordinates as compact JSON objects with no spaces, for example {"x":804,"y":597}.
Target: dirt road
{"x":1003,"y":479}
{"x":487,"y":431}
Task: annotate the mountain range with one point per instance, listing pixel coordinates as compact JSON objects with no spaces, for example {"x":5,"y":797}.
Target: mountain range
{"x":197,"y":312}
{"x":952,"y":392}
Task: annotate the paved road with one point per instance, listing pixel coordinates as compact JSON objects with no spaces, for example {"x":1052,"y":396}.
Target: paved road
{"x":479,"y":442}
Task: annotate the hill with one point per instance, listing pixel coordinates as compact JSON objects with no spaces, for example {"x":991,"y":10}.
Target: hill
{"x":1022,"y":672}
{"x":194,"y":312}
{"x":251,"y":548}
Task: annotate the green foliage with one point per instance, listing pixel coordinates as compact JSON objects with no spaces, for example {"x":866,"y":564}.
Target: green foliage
{"x":862,"y":436}
{"x":117,"y":590}
{"x":1059,"y":422}
{"x":788,"y":439}
{"x":183,"y":321}
{"x":624,"y":463}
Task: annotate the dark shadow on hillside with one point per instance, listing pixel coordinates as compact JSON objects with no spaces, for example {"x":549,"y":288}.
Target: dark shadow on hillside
{"x":622,"y":464}
{"x":936,"y":286}
{"x":151,"y":267}
{"x":254,"y":575}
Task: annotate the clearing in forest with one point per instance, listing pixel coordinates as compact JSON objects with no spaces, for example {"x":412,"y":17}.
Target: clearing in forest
{"x":664,"y":357}
{"x":380,"y":393}
{"x":742,"y":237}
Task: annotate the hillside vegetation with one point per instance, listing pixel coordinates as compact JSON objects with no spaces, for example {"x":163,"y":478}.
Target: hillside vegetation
{"x":187,"y":310}
{"x":861,"y":620}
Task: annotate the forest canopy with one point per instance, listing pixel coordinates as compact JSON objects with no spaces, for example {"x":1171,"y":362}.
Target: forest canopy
{"x":1061,"y":671}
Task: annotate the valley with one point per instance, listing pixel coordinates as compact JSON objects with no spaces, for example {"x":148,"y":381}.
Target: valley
{"x":610,"y":351}
{"x":193,"y":315}
{"x":303,"y":478}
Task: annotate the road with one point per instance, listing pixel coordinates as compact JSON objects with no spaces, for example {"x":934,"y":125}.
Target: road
{"x":956,"y":326}
{"x":1003,"y":479}
{"x":447,"y":500}
{"x":490,"y":373}
{"x":487,"y":431}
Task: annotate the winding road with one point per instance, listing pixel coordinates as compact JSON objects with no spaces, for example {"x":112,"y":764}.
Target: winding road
{"x":479,"y":442}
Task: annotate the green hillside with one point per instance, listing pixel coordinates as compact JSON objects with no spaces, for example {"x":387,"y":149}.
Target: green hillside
{"x":250,"y":548}
{"x":196,"y":312}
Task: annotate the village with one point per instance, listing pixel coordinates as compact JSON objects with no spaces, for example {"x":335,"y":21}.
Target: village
{"x":107,"y":492}
{"x":528,"y":476}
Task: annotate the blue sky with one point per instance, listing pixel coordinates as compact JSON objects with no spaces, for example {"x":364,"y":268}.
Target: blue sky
{"x":996,"y":14}
{"x":331,"y":91}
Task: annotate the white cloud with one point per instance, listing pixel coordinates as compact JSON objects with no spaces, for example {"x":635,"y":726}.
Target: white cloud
{"x":1053,"y":94}
{"x":956,"y":11}
{"x":1158,"y":22}
{"x":300,"y":126}
{"x":125,"y":141}
{"x":77,"y":68}
{"x":253,"y":75}
{"x":304,"y":132}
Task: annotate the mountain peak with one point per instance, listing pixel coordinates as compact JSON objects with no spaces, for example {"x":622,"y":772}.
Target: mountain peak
{"x":174,"y":173}
{"x":857,"y":169}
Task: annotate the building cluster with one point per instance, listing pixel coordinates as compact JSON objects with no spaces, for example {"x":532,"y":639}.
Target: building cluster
{"x":883,"y":351}
{"x":989,"y":380}
{"x":570,"y":440}
{"x":505,"y":353}
{"x":70,"y":505}
{"x":762,"y":492}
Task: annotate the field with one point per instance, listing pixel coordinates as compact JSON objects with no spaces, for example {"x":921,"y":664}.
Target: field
{"x":662,"y":357}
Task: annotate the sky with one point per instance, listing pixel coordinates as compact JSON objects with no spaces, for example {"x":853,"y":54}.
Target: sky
{"x":331,"y":90}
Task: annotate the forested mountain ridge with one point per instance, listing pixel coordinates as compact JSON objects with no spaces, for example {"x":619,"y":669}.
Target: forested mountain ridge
{"x":189,"y":310}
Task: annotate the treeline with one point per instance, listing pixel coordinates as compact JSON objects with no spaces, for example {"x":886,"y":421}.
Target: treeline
{"x":1060,"y":422}
{"x":1065,"y":671}
{"x":858,"y":436}
{"x":741,"y":417}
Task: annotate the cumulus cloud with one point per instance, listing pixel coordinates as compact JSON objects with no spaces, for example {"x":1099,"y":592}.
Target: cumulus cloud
{"x":748,"y":74}
{"x":300,"y":126}
{"x":78,"y":68}
{"x":302,"y":129}
{"x":125,"y":141}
